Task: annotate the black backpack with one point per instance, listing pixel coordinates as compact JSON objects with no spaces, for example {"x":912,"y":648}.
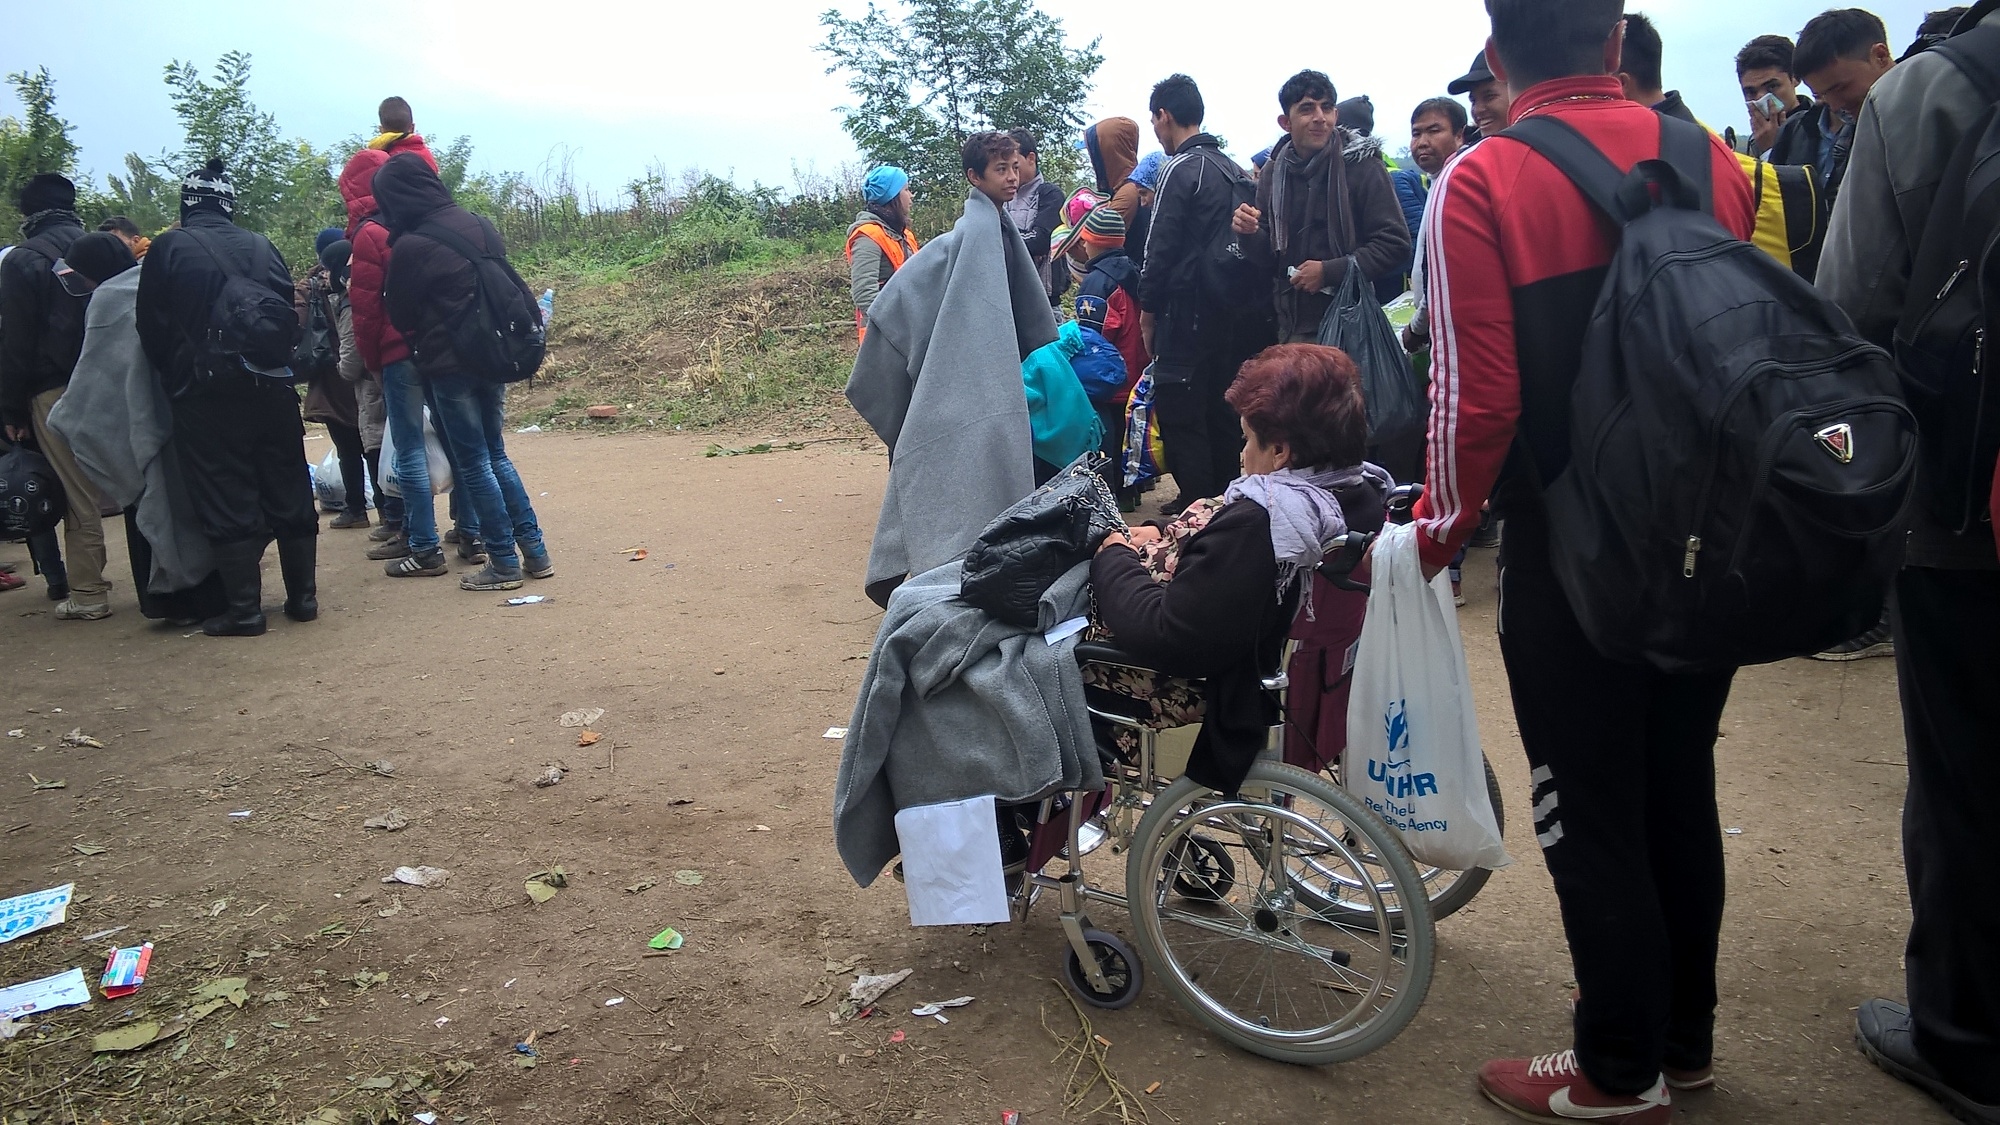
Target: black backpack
{"x":1952,"y":382}
{"x":1228,"y":273}
{"x":31,"y":495}
{"x":1740,"y":460}
{"x":250,"y":327}
{"x":319,"y":346}
{"x":501,"y":337}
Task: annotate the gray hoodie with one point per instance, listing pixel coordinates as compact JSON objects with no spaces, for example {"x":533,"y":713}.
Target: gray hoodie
{"x":1911,"y":123}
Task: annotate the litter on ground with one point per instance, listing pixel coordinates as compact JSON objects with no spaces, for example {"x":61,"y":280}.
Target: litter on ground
{"x":421,"y":876}
{"x":37,"y":910}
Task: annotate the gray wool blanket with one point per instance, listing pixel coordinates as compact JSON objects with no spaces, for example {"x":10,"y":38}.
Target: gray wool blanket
{"x":118,"y":423}
{"x":939,"y":380}
{"x":957,"y":705}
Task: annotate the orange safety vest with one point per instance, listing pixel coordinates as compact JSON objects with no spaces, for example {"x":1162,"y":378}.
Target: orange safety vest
{"x":891,"y":249}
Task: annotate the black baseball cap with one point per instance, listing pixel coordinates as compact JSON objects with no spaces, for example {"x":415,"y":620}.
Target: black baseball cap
{"x":1480,"y":72}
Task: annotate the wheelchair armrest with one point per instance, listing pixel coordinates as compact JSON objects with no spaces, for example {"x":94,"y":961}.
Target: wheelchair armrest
{"x":1098,"y":652}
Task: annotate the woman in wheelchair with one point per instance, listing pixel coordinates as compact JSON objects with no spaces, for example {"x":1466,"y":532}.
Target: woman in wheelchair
{"x":1212,"y":594}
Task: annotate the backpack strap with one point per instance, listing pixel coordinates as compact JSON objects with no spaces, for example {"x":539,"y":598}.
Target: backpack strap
{"x":437,"y":233}
{"x":1688,"y":149}
{"x":1976,"y":53}
{"x":1574,"y":156}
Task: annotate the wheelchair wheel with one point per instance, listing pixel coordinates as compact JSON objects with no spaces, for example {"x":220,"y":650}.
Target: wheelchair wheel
{"x":1121,"y":968}
{"x":1202,"y":869}
{"x":1447,"y":890}
{"x":1263,"y":965}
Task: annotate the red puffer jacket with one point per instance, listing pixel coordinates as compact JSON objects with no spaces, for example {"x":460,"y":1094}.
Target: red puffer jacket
{"x":374,"y":337}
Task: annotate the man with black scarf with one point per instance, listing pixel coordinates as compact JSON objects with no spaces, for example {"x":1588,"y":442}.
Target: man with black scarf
{"x":237,"y":428}
{"x":42,"y":305}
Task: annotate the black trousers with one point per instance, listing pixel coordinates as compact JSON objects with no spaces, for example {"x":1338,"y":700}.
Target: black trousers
{"x":204,"y":599}
{"x":1203,"y":440}
{"x":354,"y":471}
{"x":1623,"y":760}
{"x":1945,"y":622}
{"x":242,"y":450}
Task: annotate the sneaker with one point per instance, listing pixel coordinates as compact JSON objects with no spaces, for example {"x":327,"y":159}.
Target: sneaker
{"x":452,"y":536}
{"x":427,"y":565}
{"x":1884,"y":1030}
{"x":1013,"y":844}
{"x":1875,"y":642}
{"x":471,"y":550}
{"x":69,"y":609}
{"x":386,"y":531}
{"x":1457,"y":595}
{"x":492,"y":577}
{"x":1551,"y":1088}
{"x":1698,"y":1079}
{"x":394,"y":548}
{"x":8,"y":581}
{"x":538,"y":564}
{"x":345,"y":520}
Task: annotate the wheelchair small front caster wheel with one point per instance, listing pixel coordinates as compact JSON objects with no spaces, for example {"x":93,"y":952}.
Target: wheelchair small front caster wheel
{"x":1116,"y":961}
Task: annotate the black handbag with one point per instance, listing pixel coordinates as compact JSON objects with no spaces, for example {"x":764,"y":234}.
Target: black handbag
{"x":1030,"y":545}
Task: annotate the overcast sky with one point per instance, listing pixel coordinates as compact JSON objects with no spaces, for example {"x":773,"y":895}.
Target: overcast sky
{"x":618,"y":86}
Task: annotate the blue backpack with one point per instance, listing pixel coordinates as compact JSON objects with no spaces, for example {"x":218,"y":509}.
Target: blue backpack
{"x":1100,"y":367}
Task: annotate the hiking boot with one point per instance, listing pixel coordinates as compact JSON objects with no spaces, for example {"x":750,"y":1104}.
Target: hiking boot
{"x":345,"y":520}
{"x":388,"y":530}
{"x":430,"y":564}
{"x":1885,"y":1030}
{"x":538,"y":564}
{"x":1551,"y":1088}
{"x":395,"y":548}
{"x":471,"y":550}
{"x":493,"y":576}
{"x":69,"y":609}
{"x":1875,"y":642}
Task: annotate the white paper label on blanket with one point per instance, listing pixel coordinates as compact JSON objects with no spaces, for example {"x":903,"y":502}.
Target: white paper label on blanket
{"x":951,"y":863}
{"x":1066,"y":629}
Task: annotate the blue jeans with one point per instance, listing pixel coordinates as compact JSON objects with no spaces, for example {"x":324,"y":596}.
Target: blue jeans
{"x":471,"y":412}
{"x":404,"y":396}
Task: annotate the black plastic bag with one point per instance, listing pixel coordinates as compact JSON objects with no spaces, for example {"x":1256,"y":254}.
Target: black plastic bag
{"x":1030,"y":545}
{"x":1354,"y":323}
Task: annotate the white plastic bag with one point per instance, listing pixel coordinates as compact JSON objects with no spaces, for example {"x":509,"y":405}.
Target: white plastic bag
{"x":1412,"y":734}
{"x":329,"y":487}
{"x":440,"y":468}
{"x":951,"y":863}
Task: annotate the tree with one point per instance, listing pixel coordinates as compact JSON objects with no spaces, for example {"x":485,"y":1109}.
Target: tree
{"x":38,"y":141}
{"x":144,"y":195}
{"x":284,"y":189}
{"x":945,"y":69}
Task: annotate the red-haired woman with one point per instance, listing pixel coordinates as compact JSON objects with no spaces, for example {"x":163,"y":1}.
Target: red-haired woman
{"x":1244,"y":557}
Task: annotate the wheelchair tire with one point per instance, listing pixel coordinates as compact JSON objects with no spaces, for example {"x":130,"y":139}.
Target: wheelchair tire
{"x":1447,"y":890}
{"x":1121,"y":967}
{"x":1322,"y":987}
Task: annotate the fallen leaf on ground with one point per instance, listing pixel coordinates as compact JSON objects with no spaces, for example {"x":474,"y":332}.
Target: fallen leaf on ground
{"x":78,"y":738}
{"x":688,"y":878}
{"x":540,"y":892}
{"x":588,"y":738}
{"x":641,"y":885}
{"x":391,"y":821}
{"x":40,"y":784}
{"x":131,"y":1037}
{"x":89,"y":849}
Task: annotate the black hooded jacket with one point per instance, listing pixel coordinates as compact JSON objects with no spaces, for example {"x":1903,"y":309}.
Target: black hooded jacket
{"x":429,"y":285}
{"x":41,"y":325}
{"x":179,"y":281}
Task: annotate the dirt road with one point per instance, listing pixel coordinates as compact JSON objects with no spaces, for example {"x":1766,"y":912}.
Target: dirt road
{"x":719,"y":660}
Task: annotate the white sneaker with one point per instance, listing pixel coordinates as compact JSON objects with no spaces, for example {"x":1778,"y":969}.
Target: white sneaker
{"x":69,"y":609}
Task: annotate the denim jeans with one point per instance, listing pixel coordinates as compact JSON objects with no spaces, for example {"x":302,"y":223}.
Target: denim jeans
{"x":471,"y":413}
{"x":405,"y":395}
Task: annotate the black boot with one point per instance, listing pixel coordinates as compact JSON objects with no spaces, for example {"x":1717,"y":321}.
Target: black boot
{"x":239,"y":564}
{"x":295,"y":562}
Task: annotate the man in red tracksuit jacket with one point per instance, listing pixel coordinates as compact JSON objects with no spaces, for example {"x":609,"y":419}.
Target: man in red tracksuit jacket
{"x":1622,"y":755}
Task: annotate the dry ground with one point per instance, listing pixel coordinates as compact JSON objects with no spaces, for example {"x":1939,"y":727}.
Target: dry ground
{"x":719,"y":660}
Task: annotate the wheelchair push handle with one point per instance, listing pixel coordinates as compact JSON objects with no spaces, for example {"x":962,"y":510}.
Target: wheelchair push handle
{"x":1346,"y":553}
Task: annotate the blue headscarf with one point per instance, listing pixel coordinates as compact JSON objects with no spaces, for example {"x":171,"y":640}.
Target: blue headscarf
{"x":1147,"y":174}
{"x":884,"y":184}
{"x":326,"y":238}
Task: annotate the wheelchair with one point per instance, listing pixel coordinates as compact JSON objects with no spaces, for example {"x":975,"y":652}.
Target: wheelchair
{"x":1288,"y":918}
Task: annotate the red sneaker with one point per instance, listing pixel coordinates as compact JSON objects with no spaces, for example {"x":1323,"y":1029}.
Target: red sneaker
{"x":1552,"y":1089}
